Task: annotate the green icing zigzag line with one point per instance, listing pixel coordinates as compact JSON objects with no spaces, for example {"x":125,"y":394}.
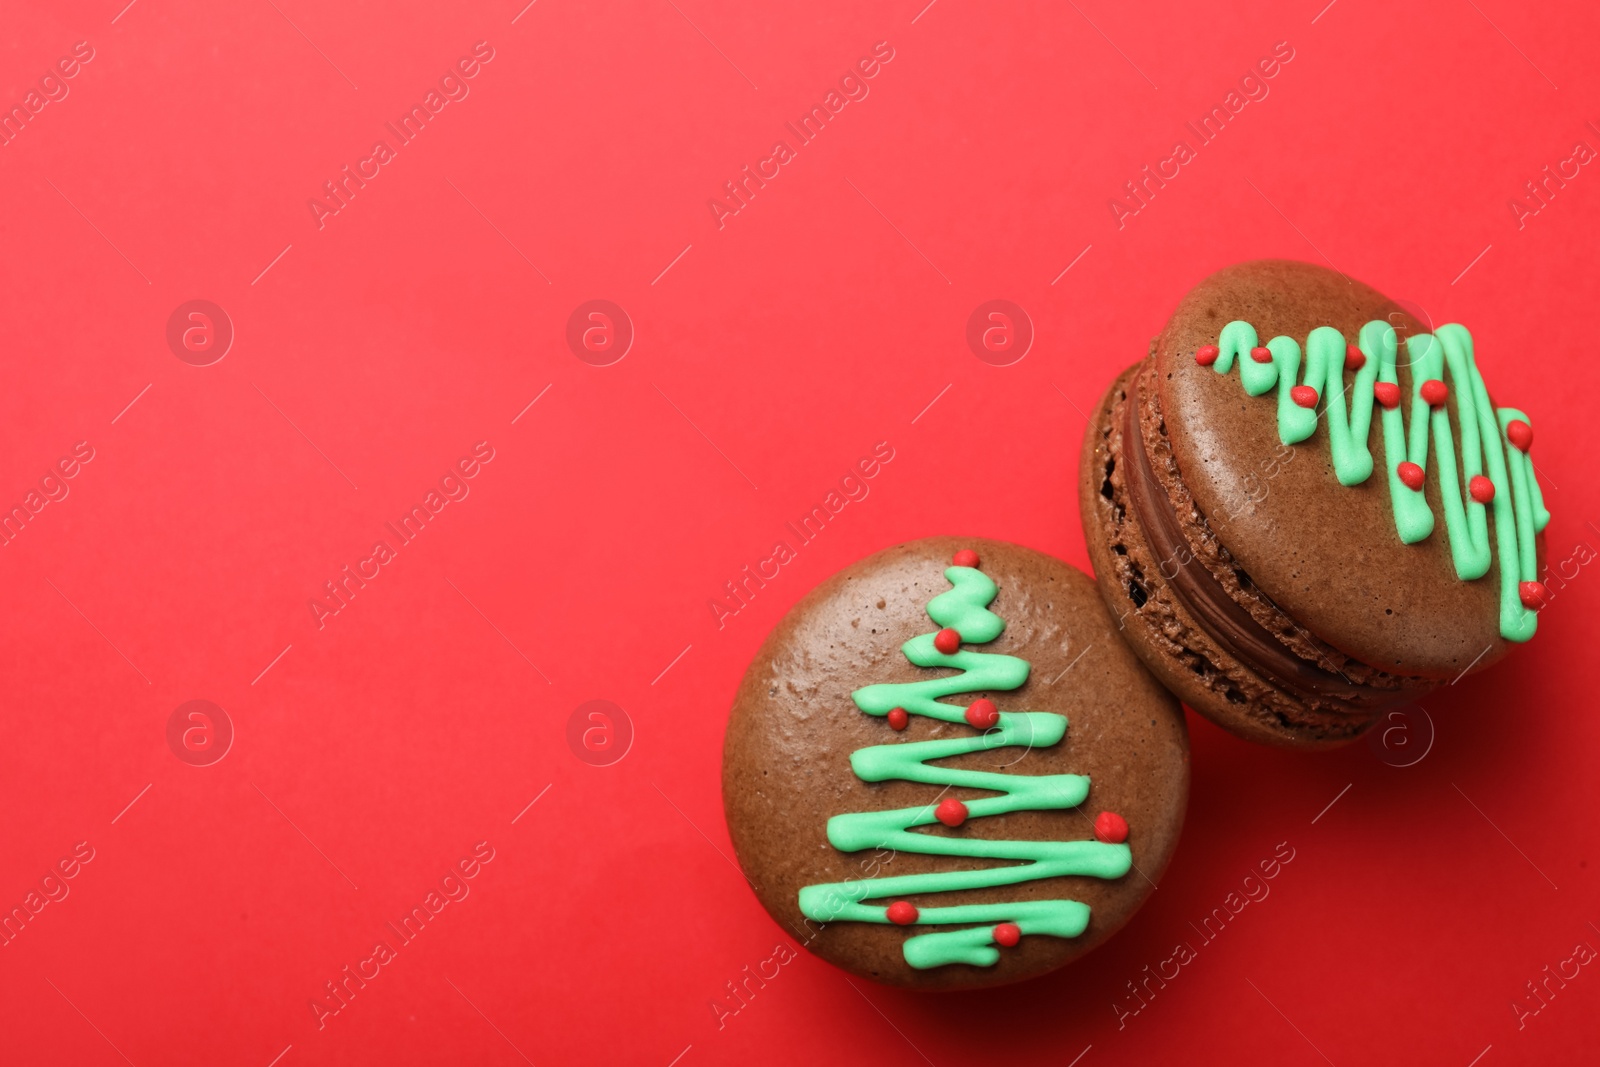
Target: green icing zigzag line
{"x":964,"y":608}
{"x":1519,"y":511}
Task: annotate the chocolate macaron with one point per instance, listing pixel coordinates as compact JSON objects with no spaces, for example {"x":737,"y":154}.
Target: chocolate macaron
{"x":945,"y":770}
{"x":1304,"y":508}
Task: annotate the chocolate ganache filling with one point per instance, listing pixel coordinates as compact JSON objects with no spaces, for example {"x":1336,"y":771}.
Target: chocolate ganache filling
{"x":1197,"y":589}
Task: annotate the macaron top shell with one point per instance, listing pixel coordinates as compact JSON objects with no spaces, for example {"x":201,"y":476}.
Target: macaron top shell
{"x":1328,"y":554}
{"x":799,"y":782}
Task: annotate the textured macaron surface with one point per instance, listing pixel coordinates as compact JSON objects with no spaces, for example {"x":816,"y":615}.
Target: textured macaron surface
{"x":1055,"y":800}
{"x":1327,"y":554}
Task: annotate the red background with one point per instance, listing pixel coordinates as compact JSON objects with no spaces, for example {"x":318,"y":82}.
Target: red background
{"x":822,"y":318}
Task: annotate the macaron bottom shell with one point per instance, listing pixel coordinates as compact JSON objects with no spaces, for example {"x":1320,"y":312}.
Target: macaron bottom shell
{"x":1169,"y":637}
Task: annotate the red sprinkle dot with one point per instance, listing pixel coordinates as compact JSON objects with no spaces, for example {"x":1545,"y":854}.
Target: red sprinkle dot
{"x":1387,"y":394}
{"x":1207,"y":355}
{"x":1519,"y":434}
{"x":1481,"y":488}
{"x":1110,"y":828}
{"x":1534,"y":595}
{"x":1261,"y":355}
{"x":982,"y":713}
{"x":901,"y":913}
{"x":951,"y":812}
{"x":965,"y":558}
{"x":947,"y":641}
{"x":1007,"y":934}
{"x":1410,"y":474}
{"x":1304,"y":395}
{"x":1354,"y":358}
{"x":1434,"y":392}
{"x":898,"y":718}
